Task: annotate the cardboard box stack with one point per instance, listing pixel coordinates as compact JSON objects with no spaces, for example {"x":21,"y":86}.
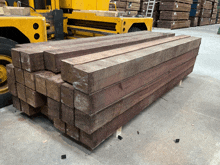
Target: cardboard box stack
{"x":174,"y":14}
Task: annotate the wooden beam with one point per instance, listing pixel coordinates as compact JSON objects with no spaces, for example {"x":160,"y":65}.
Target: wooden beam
{"x":91,"y":123}
{"x":41,"y":81}
{"x":53,"y":87}
{"x":67,"y":114}
{"x":97,"y":101}
{"x":67,"y":95}
{"x":53,"y":58}
{"x":67,"y":72}
{"x":34,"y":98}
{"x":93,"y":76}
{"x":93,"y":140}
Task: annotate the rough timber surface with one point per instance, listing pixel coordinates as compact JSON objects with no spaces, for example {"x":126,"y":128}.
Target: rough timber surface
{"x":97,"y":75}
{"x":67,"y":69}
{"x":90,"y":124}
{"x":181,"y":1}
{"x":171,"y":15}
{"x":93,"y":140}
{"x":53,"y":58}
{"x":174,"y":6}
{"x":97,"y":101}
{"x":173,"y":24}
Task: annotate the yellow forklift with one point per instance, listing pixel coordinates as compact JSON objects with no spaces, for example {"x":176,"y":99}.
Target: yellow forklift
{"x":58,"y":20}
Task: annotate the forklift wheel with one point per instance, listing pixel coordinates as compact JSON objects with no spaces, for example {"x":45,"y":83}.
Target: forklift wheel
{"x":5,"y":58}
{"x":134,"y":29}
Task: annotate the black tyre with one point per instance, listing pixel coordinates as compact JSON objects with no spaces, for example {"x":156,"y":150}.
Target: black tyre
{"x":5,"y":58}
{"x":134,"y":29}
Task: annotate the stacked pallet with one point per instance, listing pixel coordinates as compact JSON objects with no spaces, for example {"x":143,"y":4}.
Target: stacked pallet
{"x":129,"y":7}
{"x":174,"y":14}
{"x":104,"y":81}
{"x":195,"y":12}
{"x":156,"y":12}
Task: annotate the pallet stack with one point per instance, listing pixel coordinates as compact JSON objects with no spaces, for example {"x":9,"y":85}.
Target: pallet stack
{"x":174,"y":14}
{"x":156,"y":13}
{"x":195,"y":13}
{"x":129,"y":7}
{"x":91,"y":87}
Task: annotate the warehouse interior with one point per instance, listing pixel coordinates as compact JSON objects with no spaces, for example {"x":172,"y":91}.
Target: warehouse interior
{"x":98,"y":123}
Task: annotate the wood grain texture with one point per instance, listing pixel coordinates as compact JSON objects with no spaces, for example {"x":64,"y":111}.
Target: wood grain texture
{"x":30,"y":80}
{"x":171,"y":15}
{"x":91,"y":123}
{"x":173,"y":24}
{"x":53,"y":87}
{"x":16,"y":57}
{"x":53,"y":58}
{"x":97,"y":101}
{"x":41,"y":81}
{"x":67,"y":69}
{"x":174,"y":6}
{"x":11,"y":80}
{"x":93,"y":140}
{"x":21,"y":91}
{"x":10,"y":73}
{"x":32,"y":60}
{"x":93,"y":76}
{"x":67,"y":95}
{"x":34,"y":98}
{"x":68,"y":114}
{"x":54,"y":108}
{"x":29,"y":110}
{"x":16,"y":103}
{"x":19,"y":74}
{"x":182,"y":1}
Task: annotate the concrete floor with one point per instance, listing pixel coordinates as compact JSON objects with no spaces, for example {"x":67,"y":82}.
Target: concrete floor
{"x":188,"y":112}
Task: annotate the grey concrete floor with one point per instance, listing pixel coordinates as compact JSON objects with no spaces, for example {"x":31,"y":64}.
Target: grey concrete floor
{"x":189,"y":112}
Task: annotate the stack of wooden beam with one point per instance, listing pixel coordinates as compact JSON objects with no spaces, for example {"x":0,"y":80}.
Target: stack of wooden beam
{"x":91,"y":87}
{"x":214,"y":11}
{"x":205,"y":13}
{"x":218,"y":17}
{"x":195,"y":12}
{"x":156,"y":13}
{"x":129,"y":7}
{"x":174,"y":14}
{"x":2,"y":3}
